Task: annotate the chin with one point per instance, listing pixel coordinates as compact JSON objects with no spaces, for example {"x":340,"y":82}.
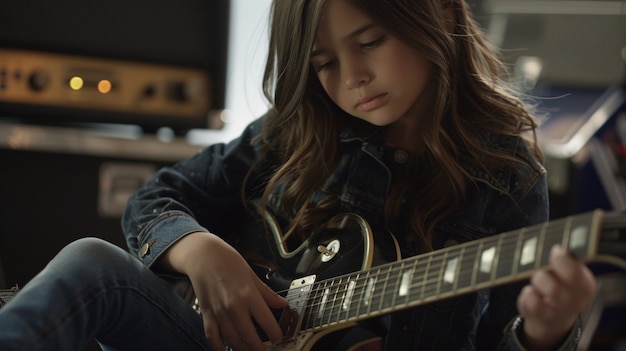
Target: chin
{"x":380,"y":122}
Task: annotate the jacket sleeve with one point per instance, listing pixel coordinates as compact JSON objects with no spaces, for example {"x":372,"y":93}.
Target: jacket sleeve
{"x":198,"y":194}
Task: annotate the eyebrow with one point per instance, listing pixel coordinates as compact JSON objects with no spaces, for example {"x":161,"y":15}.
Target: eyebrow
{"x":354,"y":34}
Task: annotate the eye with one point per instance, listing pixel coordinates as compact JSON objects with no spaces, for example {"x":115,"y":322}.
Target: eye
{"x":323,"y":66}
{"x":374,"y":43}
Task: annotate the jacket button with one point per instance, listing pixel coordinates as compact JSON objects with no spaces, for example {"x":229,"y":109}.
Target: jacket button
{"x":400,"y":156}
{"x":145,"y":249}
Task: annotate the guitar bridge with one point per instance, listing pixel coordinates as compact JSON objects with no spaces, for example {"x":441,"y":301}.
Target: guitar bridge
{"x":291,"y":318}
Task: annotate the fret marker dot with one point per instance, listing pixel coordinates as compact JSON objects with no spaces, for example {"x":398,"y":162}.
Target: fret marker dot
{"x":450,"y":274}
{"x":486,"y":259}
{"x":529,"y":251}
{"x":579,"y":237}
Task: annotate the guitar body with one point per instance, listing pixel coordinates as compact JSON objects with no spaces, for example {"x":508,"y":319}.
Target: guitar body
{"x":343,"y":245}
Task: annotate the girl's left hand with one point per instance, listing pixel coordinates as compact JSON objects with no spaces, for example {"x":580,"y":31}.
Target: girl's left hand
{"x":552,"y":301}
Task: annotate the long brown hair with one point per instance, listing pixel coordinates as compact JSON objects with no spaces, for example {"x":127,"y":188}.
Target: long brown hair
{"x":471,"y":100}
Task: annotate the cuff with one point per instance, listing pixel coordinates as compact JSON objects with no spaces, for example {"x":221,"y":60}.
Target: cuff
{"x":163,"y":233}
{"x":514,"y":329}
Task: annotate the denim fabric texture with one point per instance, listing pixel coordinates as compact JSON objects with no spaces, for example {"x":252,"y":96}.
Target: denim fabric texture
{"x":207,"y":189}
{"x":115,"y":297}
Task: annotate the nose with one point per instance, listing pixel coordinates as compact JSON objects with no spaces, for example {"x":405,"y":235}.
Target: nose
{"x":355,"y":75}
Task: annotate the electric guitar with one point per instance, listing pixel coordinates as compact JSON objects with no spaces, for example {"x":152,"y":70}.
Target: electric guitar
{"x":331,"y":281}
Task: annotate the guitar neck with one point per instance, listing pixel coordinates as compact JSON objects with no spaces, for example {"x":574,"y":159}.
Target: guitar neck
{"x":448,"y":272}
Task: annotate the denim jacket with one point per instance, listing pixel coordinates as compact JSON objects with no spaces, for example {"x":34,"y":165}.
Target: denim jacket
{"x":203,"y":193}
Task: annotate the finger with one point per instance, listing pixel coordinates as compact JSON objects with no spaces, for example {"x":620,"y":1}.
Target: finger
{"x":241,"y":332}
{"x":264,"y":316}
{"x":271,"y":298}
{"x":547,"y":286}
{"x":211,"y":330}
{"x":531,"y":304}
{"x":577,"y":280}
{"x":228,"y":330}
{"x":248,"y":334}
{"x":564,"y":265}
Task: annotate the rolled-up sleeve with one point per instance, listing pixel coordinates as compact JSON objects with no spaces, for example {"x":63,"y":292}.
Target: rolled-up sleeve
{"x":198,"y":194}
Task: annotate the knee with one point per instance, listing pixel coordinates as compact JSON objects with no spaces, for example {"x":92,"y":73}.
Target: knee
{"x":90,"y":252}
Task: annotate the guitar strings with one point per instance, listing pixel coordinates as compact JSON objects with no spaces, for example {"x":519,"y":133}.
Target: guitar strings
{"x":431,"y":267}
{"x":430,"y":287}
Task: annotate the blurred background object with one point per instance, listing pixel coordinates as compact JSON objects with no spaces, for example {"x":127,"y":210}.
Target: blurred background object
{"x":154,"y":64}
{"x":95,"y":96}
{"x":570,"y":58}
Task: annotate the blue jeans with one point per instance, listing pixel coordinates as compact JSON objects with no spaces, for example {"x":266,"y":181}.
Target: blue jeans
{"x":93,"y":289}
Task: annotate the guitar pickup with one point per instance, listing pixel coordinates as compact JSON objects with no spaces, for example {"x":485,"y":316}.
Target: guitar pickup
{"x":297,"y":296}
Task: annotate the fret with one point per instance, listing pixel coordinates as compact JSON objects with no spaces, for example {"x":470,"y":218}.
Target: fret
{"x":579,"y":238}
{"x":401,"y":285}
{"x":433,"y":276}
{"x":347,"y":292}
{"x":388,"y":290}
{"x":460,"y":257}
{"x":442,"y":271}
{"x":477,"y":262}
{"x":554,"y":234}
{"x":378,"y":289}
{"x":369,"y":293}
{"x":518,"y":251}
{"x":528,"y":250}
{"x":467,"y":264}
{"x":413,"y":285}
{"x":312,"y":308}
{"x":567,"y":237}
{"x":299,"y":297}
{"x":541,"y":249}
{"x":550,"y":235}
{"x":506,"y":258}
{"x":415,"y":281}
{"x":343,"y":303}
{"x":405,"y":283}
{"x":331,"y":302}
{"x":496,"y":257}
{"x":486,"y":259}
{"x":450,"y":271}
{"x":357,"y":296}
{"x":347,"y":300}
{"x":351,"y":303}
{"x":419,"y":275}
{"x":425,"y":279}
{"x":316,"y":309}
{"x":322,"y":305}
{"x":340,"y":299}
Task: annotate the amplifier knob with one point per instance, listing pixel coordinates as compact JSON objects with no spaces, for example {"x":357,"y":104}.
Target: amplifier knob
{"x":185,"y":91}
{"x":38,"y":81}
{"x":178,"y":91}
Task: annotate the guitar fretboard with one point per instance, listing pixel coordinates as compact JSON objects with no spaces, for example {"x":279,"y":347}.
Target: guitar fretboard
{"x":448,"y":272}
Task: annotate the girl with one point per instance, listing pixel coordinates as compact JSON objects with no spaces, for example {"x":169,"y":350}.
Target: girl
{"x":392,"y":110}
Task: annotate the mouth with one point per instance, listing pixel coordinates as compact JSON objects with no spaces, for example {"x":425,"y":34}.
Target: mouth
{"x":371,"y":102}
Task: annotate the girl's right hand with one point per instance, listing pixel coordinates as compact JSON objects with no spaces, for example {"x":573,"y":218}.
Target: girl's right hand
{"x":229,"y":293}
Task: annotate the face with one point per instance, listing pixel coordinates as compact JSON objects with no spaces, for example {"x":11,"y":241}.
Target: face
{"x":368,"y":72}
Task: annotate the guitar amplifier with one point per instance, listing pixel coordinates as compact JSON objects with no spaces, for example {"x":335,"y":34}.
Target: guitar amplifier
{"x":157,"y":63}
{"x":58,"y":184}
